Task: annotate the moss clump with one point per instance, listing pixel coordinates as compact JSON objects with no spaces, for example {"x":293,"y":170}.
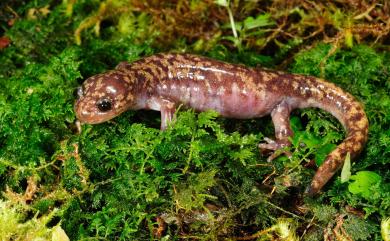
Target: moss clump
{"x":15,"y":226}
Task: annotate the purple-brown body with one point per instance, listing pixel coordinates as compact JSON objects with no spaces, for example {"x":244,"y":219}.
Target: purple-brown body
{"x":162,"y":82}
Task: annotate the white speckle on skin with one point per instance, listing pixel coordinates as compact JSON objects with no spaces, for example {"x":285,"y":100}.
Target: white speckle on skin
{"x":316,"y":90}
{"x":321,"y":86}
{"x":304,"y":90}
{"x":111,"y":89}
{"x":215,"y":70}
{"x":208,"y":86}
{"x":221,"y":90}
{"x":180,"y":75}
{"x":329,"y":97}
{"x":344,"y":97}
{"x":84,"y":112}
{"x":200,"y":77}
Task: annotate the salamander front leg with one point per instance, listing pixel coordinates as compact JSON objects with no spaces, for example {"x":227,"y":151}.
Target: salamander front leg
{"x":167,"y":110}
{"x":281,"y":119}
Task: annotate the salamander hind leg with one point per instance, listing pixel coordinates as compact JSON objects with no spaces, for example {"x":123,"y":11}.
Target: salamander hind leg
{"x":281,"y":119}
{"x":167,"y":110}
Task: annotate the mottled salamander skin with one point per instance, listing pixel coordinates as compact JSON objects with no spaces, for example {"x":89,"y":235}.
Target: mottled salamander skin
{"x":162,"y":82}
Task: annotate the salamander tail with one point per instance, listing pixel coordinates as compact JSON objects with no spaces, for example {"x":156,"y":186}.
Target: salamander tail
{"x":351,"y":114}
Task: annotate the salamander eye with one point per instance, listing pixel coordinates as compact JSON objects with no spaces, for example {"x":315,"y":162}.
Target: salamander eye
{"x":78,"y":92}
{"x":104,"y":105}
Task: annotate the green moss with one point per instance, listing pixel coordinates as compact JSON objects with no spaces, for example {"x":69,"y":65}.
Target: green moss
{"x":13,"y":225}
{"x":359,"y":229}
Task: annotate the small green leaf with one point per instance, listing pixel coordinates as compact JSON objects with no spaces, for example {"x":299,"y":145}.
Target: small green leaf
{"x":363,"y":183}
{"x":224,"y":3}
{"x":385,"y":229}
{"x":260,"y":21}
{"x":349,"y":38}
{"x":346,"y":171}
{"x":59,"y":234}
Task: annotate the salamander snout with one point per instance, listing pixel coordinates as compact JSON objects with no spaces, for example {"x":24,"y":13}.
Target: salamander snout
{"x":95,"y":112}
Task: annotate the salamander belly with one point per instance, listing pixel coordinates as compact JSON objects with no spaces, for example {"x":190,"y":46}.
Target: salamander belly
{"x":232,"y":101}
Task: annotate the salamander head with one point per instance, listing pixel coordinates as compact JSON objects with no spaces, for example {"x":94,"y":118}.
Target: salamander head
{"x":103,"y":97}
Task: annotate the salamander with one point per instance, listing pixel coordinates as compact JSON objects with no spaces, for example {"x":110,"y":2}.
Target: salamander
{"x":162,"y":82}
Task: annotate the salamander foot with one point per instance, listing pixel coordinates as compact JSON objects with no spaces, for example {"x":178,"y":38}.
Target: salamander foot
{"x":275,"y":146}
